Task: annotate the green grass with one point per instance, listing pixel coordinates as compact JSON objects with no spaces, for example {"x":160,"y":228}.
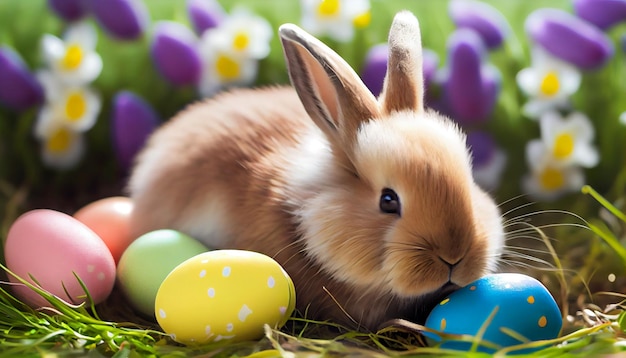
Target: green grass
{"x":68,"y":330}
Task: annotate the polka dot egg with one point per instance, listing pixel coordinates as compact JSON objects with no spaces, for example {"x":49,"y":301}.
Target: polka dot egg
{"x":224,"y":294}
{"x":498,"y":303}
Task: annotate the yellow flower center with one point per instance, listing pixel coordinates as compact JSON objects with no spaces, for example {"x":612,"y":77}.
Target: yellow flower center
{"x":551,"y":179}
{"x":75,"y":106}
{"x":550,"y":84}
{"x":241,"y":41}
{"x":563,"y":145}
{"x":227,"y":68}
{"x":59,"y":141}
{"x":362,"y":20}
{"x":73,"y":57}
{"x":329,"y":8}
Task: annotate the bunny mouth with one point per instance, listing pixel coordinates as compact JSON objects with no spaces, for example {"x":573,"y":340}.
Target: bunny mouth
{"x":424,"y":304}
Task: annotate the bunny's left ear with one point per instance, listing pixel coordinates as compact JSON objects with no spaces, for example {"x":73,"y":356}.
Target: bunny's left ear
{"x":332,"y":93}
{"x":404,"y":82}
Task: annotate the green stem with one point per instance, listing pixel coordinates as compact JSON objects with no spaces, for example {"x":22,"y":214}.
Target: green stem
{"x":600,"y":199}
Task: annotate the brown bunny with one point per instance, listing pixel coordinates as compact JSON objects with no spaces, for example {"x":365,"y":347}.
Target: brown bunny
{"x":370,"y":206}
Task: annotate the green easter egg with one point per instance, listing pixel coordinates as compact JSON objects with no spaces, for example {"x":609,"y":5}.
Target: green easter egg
{"x":148,"y":260}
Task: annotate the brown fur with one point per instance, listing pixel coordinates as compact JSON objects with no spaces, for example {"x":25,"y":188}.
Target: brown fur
{"x":255,"y":170}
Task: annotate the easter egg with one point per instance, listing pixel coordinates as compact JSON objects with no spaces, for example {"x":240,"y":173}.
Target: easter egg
{"x":53,"y":247}
{"x":497,"y":303}
{"x":224,"y":294}
{"x":148,"y":260}
{"x":110,"y":219}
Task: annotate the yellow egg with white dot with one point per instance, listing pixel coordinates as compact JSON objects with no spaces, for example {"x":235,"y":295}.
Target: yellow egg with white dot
{"x":224,"y":295}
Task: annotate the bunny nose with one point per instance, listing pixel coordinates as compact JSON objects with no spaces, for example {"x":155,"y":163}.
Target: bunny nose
{"x":450,"y":265}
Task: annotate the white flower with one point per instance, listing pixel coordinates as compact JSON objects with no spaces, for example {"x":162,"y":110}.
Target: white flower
{"x":231,"y":52}
{"x":622,"y":118}
{"x":73,"y":59}
{"x":73,"y":106}
{"x":62,"y":148}
{"x":223,"y":70}
{"x":564,"y":141}
{"x":549,"y":83}
{"x":556,"y":160}
{"x":335,"y":18}
{"x":548,"y":182}
{"x":243,"y":33}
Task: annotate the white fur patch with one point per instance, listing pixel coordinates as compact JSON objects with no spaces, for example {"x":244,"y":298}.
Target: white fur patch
{"x":209,"y":223}
{"x":309,"y":165}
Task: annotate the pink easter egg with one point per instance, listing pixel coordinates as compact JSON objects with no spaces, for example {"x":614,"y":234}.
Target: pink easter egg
{"x":51,"y":246}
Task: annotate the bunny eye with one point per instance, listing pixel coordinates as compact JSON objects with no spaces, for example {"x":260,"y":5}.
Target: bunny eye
{"x":389,"y":202}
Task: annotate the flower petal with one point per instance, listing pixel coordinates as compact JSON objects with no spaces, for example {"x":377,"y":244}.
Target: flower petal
{"x":66,"y":150}
{"x":19,"y":89}
{"x":123,"y":19}
{"x":587,"y":156}
{"x":53,"y":49}
{"x":338,"y":23}
{"x":82,"y":34}
{"x":602,"y":13}
{"x":481,"y":17}
{"x":375,"y":68}
{"x":89,"y":105}
{"x":205,"y":14}
{"x":536,"y":107}
{"x":559,"y":181}
{"x":133,"y":121}
{"x":536,"y":154}
{"x":550,"y":124}
{"x":584,"y":128}
{"x":68,"y":10}
{"x":51,"y":85}
{"x":569,"y":38}
{"x":430,"y":61}
{"x":45,"y":120}
{"x":470,"y":91}
{"x":222,"y":70}
{"x":255,"y":30}
{"x":175,"y":54}
{"x":482,"y":147}
{"x":528,"y":80}
{"x":488,"y":176}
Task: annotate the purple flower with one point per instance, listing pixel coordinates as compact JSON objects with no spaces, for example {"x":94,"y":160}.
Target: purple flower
{"x":18,"y":87}
{"x":133,"y":121}
{"x":175,"y":54}
{"x":488,"y":161}
{"x":470,"y":86}
{"x":123,"y":19}
{"x":482,"y":147}
{"x":430,"y":61}
{"x":375,"y":67}
{"x":569,"y":38}
{"x":204,"y":14}
{"x":488,"y":22}
{"x":68,"y":10}
{"x":602,"y":13}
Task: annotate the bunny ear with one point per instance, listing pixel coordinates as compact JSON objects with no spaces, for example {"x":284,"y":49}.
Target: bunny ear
{"x":404,"y":82}
{"x":332,"y":93}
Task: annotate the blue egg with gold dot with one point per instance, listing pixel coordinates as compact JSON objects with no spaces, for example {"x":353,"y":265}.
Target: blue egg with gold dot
{"x":505,"y":309}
